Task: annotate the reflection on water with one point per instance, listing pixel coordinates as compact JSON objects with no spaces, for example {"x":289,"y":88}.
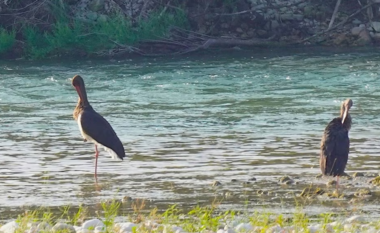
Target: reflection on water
{"x":184,"y":122}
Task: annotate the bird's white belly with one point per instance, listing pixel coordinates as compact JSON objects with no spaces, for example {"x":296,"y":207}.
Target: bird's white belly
{"x":90,"y":139}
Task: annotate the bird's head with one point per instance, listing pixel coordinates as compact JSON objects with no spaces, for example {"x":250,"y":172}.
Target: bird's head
{"x":346,"y":106}
{"x":78,"y":83}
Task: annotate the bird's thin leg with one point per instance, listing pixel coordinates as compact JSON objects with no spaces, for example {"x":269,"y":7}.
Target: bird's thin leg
{"x":96,"y":161}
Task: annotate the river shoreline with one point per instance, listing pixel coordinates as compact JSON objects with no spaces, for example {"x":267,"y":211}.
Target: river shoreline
{"x":79,"y":28}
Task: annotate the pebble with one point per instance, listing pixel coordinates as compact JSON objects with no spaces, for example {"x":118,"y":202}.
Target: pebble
{"x":125,"y":227}
{"x":238,"y":225}
{"x":284,"y":179}
{"x":92,"y":224}
{"x":63,"y":227}
{"x":10,"y":227}
{"x":216,"y":183}
{"x":244,"y":227}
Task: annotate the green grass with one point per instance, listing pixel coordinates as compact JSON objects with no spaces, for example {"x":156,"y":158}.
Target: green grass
{"x":198,"y":219}
{"x":78,"y":37}
{"x":7,"y":40}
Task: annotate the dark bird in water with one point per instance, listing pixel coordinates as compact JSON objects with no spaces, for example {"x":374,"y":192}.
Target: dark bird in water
{"x":94,"y":127}
{"x":335,"y":143}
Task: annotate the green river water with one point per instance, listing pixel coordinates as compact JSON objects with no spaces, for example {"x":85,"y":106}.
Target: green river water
{"x":186,"y":122}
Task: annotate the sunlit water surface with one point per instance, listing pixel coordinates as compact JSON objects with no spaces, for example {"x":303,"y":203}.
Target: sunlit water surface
{"x":186,"y":122}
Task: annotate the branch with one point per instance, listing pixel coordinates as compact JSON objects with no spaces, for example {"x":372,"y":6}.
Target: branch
{"x":334,"y":14}
{"x":337,"y":25}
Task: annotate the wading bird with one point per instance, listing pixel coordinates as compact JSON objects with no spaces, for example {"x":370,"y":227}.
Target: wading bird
{"x":93,"y":126}
{"x":335,"y":143}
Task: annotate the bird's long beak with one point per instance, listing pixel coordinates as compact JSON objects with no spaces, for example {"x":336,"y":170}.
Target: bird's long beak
{"x":344,"y":115}
{"x":79,"y":92}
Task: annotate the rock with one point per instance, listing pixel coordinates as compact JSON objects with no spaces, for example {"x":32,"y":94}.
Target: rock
{"x":150,"y":224}
{"x":376,"y":26}
{"x":284,"y":179}
{"x":244,"y":227}
{"x":234,"y":180}
{"x":314,"y":228}
{"x":177,"y":229}
{"x":364,"y":39}
{"x":244,"y":36}
{"x":216,"y":183}
{"x":125,"y":227}
{"x":251,"y":33}
{"x":348,"y":227}
{"x":340,"y":40}
{"x":99,"y":229}
{"x":126,"y":199}
{"x":356,"y":22}
{"x":10,"y":227}
{"x":356,"y":31}
{"x":288,"y":182}
{"x":63,"y":227}
{"x":375,"y":36}
{"x":261,"y":32}
{"x":92,"y":16}
{"x":239,"y":30}
{"x":252,"y":179}
{"x":92,"y":224}
{"x":43,"y":226}
{"x":228,"y":230}
{"x":78,"y":229}
{"x":319,"y":176}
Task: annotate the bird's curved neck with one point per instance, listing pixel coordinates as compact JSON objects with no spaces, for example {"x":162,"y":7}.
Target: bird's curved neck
{"x":82,"y":95}
{"x":82,"y":101}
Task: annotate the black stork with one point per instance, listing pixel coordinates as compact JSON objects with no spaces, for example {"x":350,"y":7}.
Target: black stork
{"x":93,"y":126}
{"x":335,"y":143}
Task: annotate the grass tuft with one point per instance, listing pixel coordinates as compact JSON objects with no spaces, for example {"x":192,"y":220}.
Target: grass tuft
{"x":199,"y":219}
{"x":7,"y":40}
{"x":79,"y":37}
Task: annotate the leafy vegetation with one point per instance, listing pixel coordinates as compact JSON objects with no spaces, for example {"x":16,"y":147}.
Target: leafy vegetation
{"x":7,"y":39}
{"x":198,"y":219}
{"x":73,"y":36}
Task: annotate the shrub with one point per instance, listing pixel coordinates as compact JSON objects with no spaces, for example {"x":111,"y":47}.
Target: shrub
{"x":7,"y":40}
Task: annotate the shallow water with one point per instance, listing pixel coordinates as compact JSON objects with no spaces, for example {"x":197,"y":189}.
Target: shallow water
{"x":185,"y":122}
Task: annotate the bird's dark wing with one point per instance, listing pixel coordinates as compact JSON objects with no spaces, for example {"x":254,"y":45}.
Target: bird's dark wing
{"x":98,"y":128}
{"x":335,"y":147}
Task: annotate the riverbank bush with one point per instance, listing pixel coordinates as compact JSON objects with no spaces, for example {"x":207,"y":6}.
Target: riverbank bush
{"x":7,"y":40}
{"x":77,"y":37}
